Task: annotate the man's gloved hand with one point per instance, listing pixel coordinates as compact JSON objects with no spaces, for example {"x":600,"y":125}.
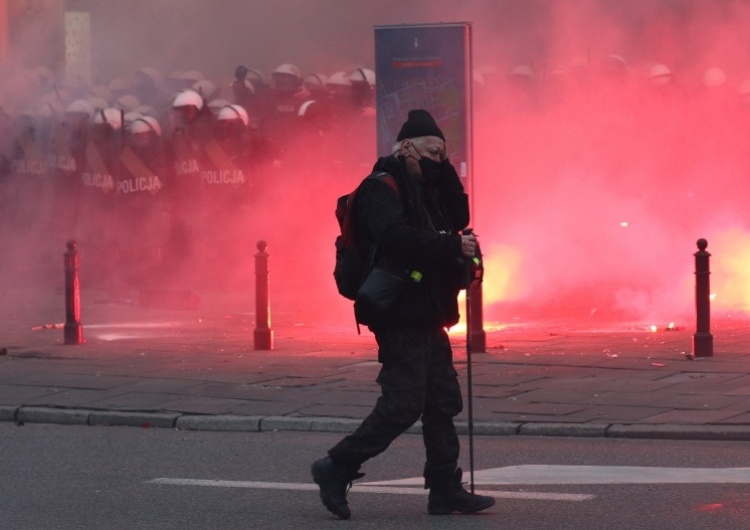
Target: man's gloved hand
{"x":239,"y":73}
{"x":448,"y":181}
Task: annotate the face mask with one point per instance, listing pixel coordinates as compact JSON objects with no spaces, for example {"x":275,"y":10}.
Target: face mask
{"x":430,"y":169}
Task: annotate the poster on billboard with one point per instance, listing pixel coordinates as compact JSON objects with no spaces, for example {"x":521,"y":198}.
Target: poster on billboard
{"x":425,"y":66}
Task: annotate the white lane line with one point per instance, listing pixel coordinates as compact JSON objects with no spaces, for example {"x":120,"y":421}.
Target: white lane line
{"x":363,"y":488}
{"x":568,"y":475}
{"x":561,"y":475}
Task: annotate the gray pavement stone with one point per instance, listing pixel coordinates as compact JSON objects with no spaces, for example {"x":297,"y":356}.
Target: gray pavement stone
{"x":488,"y":428}
{"x":631,"y":399}
{"x":133,"y":419}
{"x":681,"y":432}
{"x":136,"y":401}
{"x":554,"y":395}
{"x":688,"y":417}
{"x":286,"y":423}
{"x":610,"y":414}
{"x":71,"y":398}
{"x":743,"y":418}
{"x":8,"y":412}
{"x":266,"y":408}
{"x":563,"y":429}
{"x":337,"y":410}
{"x":703,"y":401}
{"x":547,"y":409}
{"x":53,"y":415}
{"x":202,"y":405}
{"x":63,"y":378}
{"x":20,"y":393}
{"x":160,"y":385}
{"x":342,"y":425}
{"x":218,"y":422}
{"x":496,"y":392}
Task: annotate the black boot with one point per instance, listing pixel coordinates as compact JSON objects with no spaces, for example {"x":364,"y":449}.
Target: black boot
{"x":448,"y":496}
{"x":334,"y":484}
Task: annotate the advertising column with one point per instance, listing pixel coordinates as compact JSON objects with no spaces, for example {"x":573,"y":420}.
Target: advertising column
{"x":426,"y":66}
{"x":3,"y":29}
{"x":78,"y":46}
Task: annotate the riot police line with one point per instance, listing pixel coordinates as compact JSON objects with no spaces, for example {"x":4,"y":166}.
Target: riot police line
{"x":142,"y":184}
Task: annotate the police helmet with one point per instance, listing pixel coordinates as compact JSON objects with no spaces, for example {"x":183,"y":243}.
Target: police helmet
{"x":233,"y":112}
{"x":659,"y":75}
{"x":205,"y":88}
{"x":127,"y":102}
{"x":363,"y":75}
{"x":145,"y":124}
{"x":315,"y":82}
{"x":109,"y":116}
{"x":215,"y":105}
{"x":714,"y":77}
{"x":118,"y":85}
{"x":146,"y":110}
{"x":339,"y":79}
{"x":152,"y":74}
{"x":286,"y":77}
{"x":188,"y":97}
{"x":192,"y":75}
{"x":257,"y":78}
{"x":130,"y":117}
{"x":80,"y":106}
{"x":101,"y":91}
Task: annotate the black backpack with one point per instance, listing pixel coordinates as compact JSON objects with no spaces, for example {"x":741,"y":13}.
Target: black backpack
{"x":353,"y":262}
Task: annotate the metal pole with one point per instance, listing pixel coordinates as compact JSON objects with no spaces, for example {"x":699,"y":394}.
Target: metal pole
{"x":470,"y":396}
{"x":470,"y":315}
{"x":73,"y":330}
{"x":703,"y":341}
{"x":263,"y":335}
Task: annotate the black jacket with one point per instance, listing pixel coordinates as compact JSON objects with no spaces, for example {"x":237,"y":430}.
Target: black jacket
{"x":415,"y":228}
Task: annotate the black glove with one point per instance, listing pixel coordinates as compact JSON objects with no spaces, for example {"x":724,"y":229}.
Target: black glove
{"x":240,"y":72}
{"x":449,"y":181}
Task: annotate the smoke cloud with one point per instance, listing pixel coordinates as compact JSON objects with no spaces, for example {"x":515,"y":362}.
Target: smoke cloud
{"x":596,"y":170}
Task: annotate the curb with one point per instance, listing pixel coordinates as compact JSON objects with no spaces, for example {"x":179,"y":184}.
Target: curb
{"x":227,"y":422}
{"x":681,"y":432}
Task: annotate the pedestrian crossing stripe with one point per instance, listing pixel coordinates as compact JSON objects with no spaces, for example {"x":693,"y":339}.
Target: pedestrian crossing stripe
{"x":568,"y":475}
{"x":364,"y":488}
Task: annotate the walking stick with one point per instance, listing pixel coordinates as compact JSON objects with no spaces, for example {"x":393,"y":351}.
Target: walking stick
{"x":475,"y":273}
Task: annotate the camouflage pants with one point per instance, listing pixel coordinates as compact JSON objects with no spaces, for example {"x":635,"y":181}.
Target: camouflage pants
{"x":417,"y":378}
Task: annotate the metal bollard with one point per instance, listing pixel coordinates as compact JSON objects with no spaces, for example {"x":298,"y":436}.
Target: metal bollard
{"x":263,"y":335}
{"x":475,"y":318}
{"x":475,"y":335}
{"x":73,"y":331}
{"x":703,"y":341}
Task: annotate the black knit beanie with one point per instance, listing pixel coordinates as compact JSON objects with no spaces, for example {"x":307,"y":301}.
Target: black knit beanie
{"x":419,"y":123}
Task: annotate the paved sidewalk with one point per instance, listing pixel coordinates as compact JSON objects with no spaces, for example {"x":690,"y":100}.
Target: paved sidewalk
{"x":198,"y":370}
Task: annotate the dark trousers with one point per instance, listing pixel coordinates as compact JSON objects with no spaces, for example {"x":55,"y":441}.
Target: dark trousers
{"x":417,"y":379}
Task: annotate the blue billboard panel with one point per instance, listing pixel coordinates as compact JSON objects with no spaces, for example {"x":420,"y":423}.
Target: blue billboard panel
{"x":425,"y":66}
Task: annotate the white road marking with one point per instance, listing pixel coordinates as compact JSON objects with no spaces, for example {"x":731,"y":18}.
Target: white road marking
{"x":561,"y":475}
{"x":365,"y":488}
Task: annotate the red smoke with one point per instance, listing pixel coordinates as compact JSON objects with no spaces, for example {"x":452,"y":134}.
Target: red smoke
{"x":591,"y":182}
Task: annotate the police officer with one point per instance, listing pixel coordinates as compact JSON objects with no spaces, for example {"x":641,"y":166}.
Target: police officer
{"x":142,"y":215}
{"x":97,"y":198}
{"x":28,"y":166}
{"x":192,"y":129}
{"x":279,"y":122}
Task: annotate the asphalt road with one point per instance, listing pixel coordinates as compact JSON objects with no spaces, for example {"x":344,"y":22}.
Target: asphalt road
{"x":74,"y":477}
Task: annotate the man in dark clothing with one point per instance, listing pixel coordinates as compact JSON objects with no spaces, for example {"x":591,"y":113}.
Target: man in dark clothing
{"x":413,"y":220}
